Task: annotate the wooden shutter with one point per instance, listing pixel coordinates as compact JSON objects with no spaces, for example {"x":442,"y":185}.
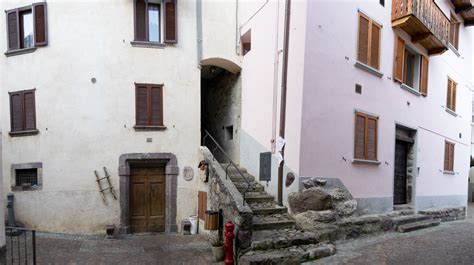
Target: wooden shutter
{"x":16,"y":112}
{"x":399,"y":60}
{"x":156,"y":94}
{"x":141,"y":105}
{"x":451,"y":157}
{"x":375,"y":46}
{"x":424,"y":76}
{"x":371,"y":139}
{"x":359,"y":138}
{"x":40,"y":24}
{"x":453,"y":96}
{"x":141,"y":33}
{"x":171,"y":24}
{"x":29,"y":110}
{"x":363,"y":46}
{"x":448,"y":156}
{"x":202,"y":204}
{"x":13,"y":28}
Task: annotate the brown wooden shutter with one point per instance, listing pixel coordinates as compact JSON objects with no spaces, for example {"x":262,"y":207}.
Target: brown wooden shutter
{"x":141,"y":33}
{"x":13,"y":25}
{"x":141,"y":102}
{"x":171,"y":23}
{"x":424,"y":76}
{"x":453,"y":96}
{"x":359,"y":137}
{"x":451,"y":157}
{"x":399,"y":60}
{"x":371,"y":138}
{"x":446,"y":156}
{"x":156,"y":100}
{"x":202,"y":204}
{"x":16,"y":112}
{"x":449,"y":96}
{"x":363,"y":46}
{"x":375,"y":46}
{"x":40,"y":24}
{"x":29,"y":110}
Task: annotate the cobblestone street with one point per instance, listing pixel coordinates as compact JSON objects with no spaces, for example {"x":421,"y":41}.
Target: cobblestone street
{"x":449,"y":243}
{"x":146,"y":249}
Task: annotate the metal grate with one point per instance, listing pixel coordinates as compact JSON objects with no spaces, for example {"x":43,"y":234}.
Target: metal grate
{"x":26,"y":177}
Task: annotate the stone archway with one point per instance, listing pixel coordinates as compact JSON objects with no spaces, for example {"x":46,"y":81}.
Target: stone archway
{"x":171,"y":172}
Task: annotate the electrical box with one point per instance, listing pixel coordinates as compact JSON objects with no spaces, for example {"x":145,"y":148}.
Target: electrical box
{"x":265,"y":166}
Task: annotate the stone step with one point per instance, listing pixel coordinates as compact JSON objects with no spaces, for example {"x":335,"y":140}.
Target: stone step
{"x":407,"y":219}
{"x":259,"y":205}
{"x":418,"y":225}
{"x":238,"y":178}
{"x":231,"y":169}
{"x":269,"y":225}
{"x":282,"y":238}
{"x":270,"y":210}
{"x":258,"y":197}
{"x":290,"y":255}
{"x":402,"y":207}
{"x":254,"y":187}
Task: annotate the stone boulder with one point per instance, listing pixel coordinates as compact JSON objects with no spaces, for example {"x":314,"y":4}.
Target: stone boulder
{"x":346,"y":208}
{"x":314,"y":182}
{"x":310,"y":217}
{"x":339,"y":194}
{"x":315,"y":199}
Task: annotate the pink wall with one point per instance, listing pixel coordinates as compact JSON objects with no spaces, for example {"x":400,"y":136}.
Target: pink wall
{"x":329,"y":102}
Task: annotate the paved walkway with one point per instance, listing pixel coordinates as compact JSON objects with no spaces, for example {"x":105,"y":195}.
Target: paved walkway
{"x":144,"y":249}
{"x":449,"y":243}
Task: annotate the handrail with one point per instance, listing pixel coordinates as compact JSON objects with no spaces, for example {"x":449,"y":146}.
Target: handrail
{"x":231,"y":163}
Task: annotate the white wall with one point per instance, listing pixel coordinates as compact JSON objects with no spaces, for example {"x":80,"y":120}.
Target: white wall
{"x":83,"y":126}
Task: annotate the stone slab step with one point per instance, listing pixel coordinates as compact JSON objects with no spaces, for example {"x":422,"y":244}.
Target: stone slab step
{"x":418,"y":225}
{"x":290,"y":255}
{"x":403,"y":207}
{"x":282,"y":238}
{"x":253,"y":197}
{"x":281,"y":224}
{"x":407,"y":219}
{"x":238,"y":178}
{"x":259,"y":205}
{"x":232,"y":168}
{"x":270,"y":211}
{"x":254,"y":187}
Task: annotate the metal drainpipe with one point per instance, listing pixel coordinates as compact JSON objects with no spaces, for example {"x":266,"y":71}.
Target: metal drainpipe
{"x":199,"y":31}
{"x":284,"y":81}
{"x":276,"y":69}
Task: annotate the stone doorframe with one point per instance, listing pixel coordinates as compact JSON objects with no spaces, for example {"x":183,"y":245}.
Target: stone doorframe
{"x":408,"y":135}
{"x":171,"y":175}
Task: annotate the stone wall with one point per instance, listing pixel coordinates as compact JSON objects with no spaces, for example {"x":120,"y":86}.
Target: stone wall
{"x":446,"y":214}
{"x":224,"y":195}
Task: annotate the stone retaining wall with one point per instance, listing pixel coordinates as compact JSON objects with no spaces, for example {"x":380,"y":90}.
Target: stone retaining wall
{"x":224,"y":195}
{"x":446,"y":214}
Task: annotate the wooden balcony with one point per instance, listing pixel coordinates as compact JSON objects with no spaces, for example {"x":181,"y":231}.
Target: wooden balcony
{"x":465,"y":8}
{"x":424,"y":21}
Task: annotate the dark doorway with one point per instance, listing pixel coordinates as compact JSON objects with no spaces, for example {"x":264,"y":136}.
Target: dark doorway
{"x":221,"y":109}
{"x":147,"y":199}
{"x":400,"y":182}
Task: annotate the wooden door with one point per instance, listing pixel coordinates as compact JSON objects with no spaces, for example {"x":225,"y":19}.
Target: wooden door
{"x":400,"y":181}
{"x":147,"y":199}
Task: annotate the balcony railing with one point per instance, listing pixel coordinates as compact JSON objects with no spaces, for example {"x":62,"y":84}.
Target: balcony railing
{"x":424,"y":21}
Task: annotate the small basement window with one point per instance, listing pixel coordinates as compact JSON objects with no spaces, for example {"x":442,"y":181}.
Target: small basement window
{"x":26,"y":176}
{"x":246,"y":41}
{"x":229,"y":133}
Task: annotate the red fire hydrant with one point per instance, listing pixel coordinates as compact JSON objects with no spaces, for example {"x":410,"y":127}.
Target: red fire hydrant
{"x":228,"y":246}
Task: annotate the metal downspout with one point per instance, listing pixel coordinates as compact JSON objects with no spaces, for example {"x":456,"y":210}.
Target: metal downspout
{"x":284,"y":81}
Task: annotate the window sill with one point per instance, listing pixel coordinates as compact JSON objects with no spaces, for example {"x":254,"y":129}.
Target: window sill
{"x":20,"y":51}
{"x":148,"y":44}
{"x":26,"y":188}
{"x":450,"y":111}
{"x":24,"y":133}
{"x":369,"y":69}
{"x":446,"y":172}
{"x":366,"y":162}
{"x":452,"y":48}
{"x":410,"y":89}
{"x":149,"y":128}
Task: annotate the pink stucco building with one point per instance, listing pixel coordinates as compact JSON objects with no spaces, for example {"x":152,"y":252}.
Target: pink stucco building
{"x":379,"y":98}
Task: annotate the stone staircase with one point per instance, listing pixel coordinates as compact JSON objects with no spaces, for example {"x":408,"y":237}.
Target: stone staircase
{"x":409,"y":223}
{"x":275,"y":239}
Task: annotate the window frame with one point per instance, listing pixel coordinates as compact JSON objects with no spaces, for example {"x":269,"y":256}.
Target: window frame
{"x":39,"y":176}
{"x":149,"y":125}
{"x":369,"y":41}
{"x":23,"y":131}
{"x":366,"y":117}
